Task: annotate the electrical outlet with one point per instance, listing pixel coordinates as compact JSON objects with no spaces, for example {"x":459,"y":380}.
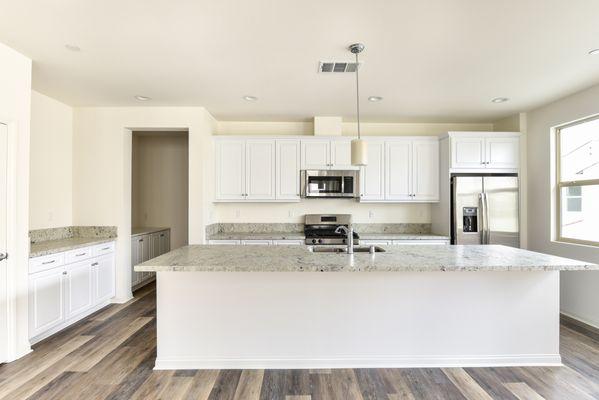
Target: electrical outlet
{"x":371,"y":214}
{"x":237,"y":213}
{"x":290,"y":213}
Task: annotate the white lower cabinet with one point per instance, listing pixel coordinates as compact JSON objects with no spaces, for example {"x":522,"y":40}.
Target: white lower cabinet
{"x":67,"y":292}
{"x":145,"y":247}
{"x":391,"y":242}
{"x":264,"y":242}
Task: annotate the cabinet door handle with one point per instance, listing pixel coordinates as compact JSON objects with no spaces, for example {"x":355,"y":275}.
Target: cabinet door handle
{"x":140,"y":240}
{"x":95,"y":264}
{"x":48,"y":262}
{"x":64,"y":272}
{"x":106,"y":248}
{"x":162,"y":235}
{"x":80,"y":254}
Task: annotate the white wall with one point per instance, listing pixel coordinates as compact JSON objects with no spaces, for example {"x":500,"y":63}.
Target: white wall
{"x":362,"y":212}
{"x":15,"y":103}
{"x":579,"y":290}
{"x":102,"y":170}
{"x":160,"y":183}
{"x":51,"y":163}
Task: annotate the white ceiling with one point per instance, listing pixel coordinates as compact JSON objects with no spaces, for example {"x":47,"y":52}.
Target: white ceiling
{"x":430,"y":60}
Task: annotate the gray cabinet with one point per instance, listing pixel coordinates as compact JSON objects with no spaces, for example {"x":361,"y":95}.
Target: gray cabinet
{"x":144,"y":247}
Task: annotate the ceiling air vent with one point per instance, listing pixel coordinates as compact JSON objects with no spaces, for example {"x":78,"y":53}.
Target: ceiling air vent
{"x":337,"y":66}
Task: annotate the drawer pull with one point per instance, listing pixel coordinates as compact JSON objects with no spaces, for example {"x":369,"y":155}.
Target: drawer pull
{"x":48,"y":262}
{"x":95,"y":264}
{"x":64,"y":272}
{"x":106,"y":248}
{"x":162,"y":235}
{"x":140,"y":240}
{"x":80,"y":254}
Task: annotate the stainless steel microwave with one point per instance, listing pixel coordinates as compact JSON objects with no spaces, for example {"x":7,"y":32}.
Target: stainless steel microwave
{"x":329,"y":183}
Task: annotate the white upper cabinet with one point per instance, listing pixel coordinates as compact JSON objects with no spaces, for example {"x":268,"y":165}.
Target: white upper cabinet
{"x":425,"y":167}
{"x":398,"y":173}
{"x":230,"y":170}
{"x":468,"y":152}
{"x":316,"y":154}
{"x":485,"y":150}
{"x":260,"y":170}
{"x":288,"y":155}
{"x":341,"y":154}
{"x":372,"y":179}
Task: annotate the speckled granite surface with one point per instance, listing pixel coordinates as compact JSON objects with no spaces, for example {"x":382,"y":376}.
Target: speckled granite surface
{"x":146,"y":230}
{"x":56,"y":240}
{"x":256,"y":236}
{"x":225,"y":258}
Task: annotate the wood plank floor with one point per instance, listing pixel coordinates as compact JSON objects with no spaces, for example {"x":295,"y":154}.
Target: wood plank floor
{"x":110,"y":355}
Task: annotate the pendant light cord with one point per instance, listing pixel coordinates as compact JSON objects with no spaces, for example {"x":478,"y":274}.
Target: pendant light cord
{"x":358,"y":94}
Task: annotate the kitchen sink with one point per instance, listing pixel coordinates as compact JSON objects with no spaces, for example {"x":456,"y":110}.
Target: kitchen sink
{"x":357,"y":249}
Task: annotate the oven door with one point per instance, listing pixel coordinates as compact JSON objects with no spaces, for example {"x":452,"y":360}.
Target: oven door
{"x":325,"y":183}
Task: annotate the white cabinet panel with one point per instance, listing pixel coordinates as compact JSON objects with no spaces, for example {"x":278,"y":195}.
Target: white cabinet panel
{"x":467,"y":152}
{"x":78,"y":288}
{"x":46,"y":300}
{"x":104,"y":278}
{"x":420,"y":242}
{"x":165,"y":241}
{"x":230,"y":169}
{"x":224,"y":241}
{"x":316,"y":154}
{"x":288,"y":169}
{"x":372,"y":178}
{"x":283,"y":242}
{"x":104,"y":248}
{"x":256,"y":242}
{"x":341,"y":154}
{"x":154,"y":245}
{"x":502,"y":152}
{"x":375,"y":242}
{"x":260,"y":170}
{"x":425,"y":184}
{"x":82,"y":253}
{"x":43,"y":263}
{"x":398,"y":174}
{"x":136,"y":258}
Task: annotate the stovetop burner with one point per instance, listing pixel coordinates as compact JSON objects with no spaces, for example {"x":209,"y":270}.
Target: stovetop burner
{"x":320,"y":229}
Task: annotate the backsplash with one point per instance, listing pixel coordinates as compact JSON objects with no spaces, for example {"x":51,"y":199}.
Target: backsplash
{"x":66,"y":232}
{"x":393,"y":228}
{"x":298,"y":227}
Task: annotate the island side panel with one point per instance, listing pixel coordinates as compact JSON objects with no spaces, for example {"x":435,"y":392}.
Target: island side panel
{"x":220,"y":320}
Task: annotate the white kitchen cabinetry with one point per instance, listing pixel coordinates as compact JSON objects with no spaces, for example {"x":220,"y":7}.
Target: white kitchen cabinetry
{"x":62,"y":292}
{"x":230,"y":170}
{"x":326,"y":154}
{"x":425,"y":170}
{"x":224,"y":241}
{"x":392,"y":242}
{"x":372,"y":178}
{"x":144,"y":247}
{"x":288,"y":161}
{"x":257,"y":242}
{"x":484,"y":150}
{"x":398,"y":173}
{"x":265,"y":242}
{"x":260,"y":170}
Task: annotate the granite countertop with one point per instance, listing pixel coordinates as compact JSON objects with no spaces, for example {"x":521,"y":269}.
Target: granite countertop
{"x":300,"y":235}
{"x":58,"y":245}
{"x":146,"y":230}
{"x":232,"y":258}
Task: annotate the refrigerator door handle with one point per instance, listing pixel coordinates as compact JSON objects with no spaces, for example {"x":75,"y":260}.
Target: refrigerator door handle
{"x":487,"y":219}
{"x":483,"y":228}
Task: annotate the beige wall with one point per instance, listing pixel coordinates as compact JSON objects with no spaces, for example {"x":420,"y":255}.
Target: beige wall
{"x":160,"y":182}
{"x":579,"y":290}
{"x":15,"y":108}
{"x":51,"y":171}
{"x":102,"y":170}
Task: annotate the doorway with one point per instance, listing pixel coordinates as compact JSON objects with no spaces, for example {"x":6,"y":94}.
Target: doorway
{"x":4,"y":304}
{"x":160,"y":184}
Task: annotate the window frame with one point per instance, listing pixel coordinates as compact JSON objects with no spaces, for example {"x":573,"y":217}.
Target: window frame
{"x":559,"y":184}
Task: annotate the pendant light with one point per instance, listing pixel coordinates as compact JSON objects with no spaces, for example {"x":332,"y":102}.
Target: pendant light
{"x":359,"y":147}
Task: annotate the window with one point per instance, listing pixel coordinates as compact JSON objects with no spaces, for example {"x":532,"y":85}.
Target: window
{"x":578,"y":182}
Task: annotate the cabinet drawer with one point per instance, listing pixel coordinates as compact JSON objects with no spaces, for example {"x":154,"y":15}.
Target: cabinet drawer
{"x":44,"y":263}
{"x":256,"y":242}
{"x":376,"y":242}
{"x":77,"y":255}
{"x":103,"y":248}
{"x":422,"y":242}
{"x":288,"y":242}
{"x":223,"y":241}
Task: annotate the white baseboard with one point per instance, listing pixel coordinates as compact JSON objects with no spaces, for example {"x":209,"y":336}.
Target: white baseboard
{"x":585,"y":321}
{"x":120,"y":300}
{"x":524,"y":360}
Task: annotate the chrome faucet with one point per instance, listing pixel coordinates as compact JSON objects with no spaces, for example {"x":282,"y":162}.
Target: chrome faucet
{"x":349,"y":232}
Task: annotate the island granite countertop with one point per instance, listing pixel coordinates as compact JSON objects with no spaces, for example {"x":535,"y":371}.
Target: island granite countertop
{"x":408,"y":258}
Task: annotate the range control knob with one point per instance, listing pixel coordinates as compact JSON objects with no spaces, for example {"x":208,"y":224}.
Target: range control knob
{"x":319,"y":241}
{"x":314,"y":241}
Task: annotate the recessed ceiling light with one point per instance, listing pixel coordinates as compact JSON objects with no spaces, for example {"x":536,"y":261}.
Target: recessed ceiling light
{"x":72,"y":47}
{"x":250,"y":98}
{"x":374,"y":99}
{"x":500,"y":100}
{"x":142,"y":98}
{"x":594,"y":52}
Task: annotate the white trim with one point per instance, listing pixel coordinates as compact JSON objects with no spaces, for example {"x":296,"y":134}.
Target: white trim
{"x":121,"y":300}
{"x":514,"y":360}
{"x":585,"y":321}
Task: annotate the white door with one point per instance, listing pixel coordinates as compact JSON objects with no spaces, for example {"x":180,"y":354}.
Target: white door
{"x":104,"y":278}
{"x":79,"y":288}
{"x":503,"y":152}
{"x":372,"y":178}
{"x":260,"y":170}
{"x":398,"y":171}
{"x":467,"y":152}
{"x":3,"y":249}
{"x":46,"y":300}
{"x":425,"y":180}
{"x":230,"y":170}
{"x":341,"y":154}
{"x":165,"y":241}
{"x":288,"y":169}
{"x":316,"y":154}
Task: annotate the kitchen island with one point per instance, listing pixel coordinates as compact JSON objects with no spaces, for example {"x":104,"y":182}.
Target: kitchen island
{"x":410,"y":306}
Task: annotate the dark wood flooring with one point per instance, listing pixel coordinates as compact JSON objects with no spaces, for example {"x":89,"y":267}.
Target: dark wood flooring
{"x":110,"y":355}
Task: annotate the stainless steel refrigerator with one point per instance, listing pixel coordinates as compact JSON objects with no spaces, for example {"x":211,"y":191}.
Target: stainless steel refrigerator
{"x":485,"y":209}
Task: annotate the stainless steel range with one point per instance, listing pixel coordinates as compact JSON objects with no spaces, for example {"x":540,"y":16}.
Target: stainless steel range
{"x":321,"y":229}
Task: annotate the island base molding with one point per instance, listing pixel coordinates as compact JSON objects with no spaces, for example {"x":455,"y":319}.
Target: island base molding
{"x":246,"y":320}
